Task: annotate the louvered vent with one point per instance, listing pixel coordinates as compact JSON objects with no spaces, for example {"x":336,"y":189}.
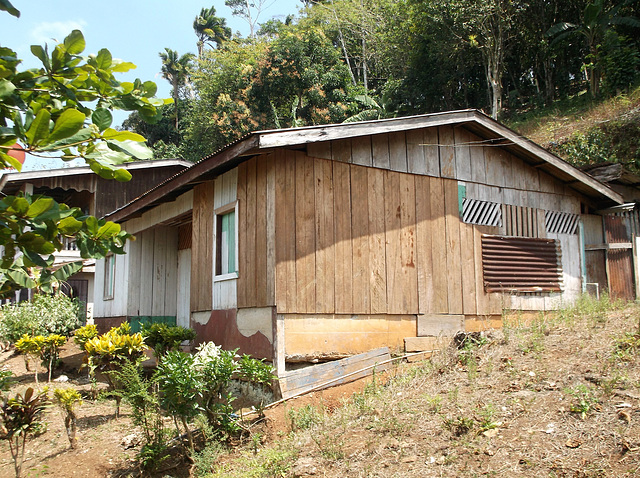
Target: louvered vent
{"x":482,"y":213}
{"x":560,"y":222}
{"x":521,"y":264}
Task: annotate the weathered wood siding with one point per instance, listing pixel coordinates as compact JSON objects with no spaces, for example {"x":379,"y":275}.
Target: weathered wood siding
{"x":358,"y":240}
{"x":256,"y":186}
{"x":389,"y":239}
{"x":153,"y":273}
{"x":116,"y":307}
{"x":202,"y":244}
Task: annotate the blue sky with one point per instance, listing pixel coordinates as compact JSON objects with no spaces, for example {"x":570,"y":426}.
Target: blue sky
{"x":133,"y":30}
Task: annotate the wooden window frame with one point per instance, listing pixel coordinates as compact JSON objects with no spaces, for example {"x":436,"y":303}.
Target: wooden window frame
{"x":217,"y":215}
{"x":109,"y":285}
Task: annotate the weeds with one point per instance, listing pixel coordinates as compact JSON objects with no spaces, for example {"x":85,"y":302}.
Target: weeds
{"x":584,"y":401}
{"x":304,"y":418}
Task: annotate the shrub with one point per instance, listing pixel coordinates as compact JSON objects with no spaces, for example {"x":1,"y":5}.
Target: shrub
{"x":21,"y":417}
{"x":44,"y":315}
{"x":111,"y":351}
{"x":163,"y":338}
{"x":47,"y":348}
{"x":84,"y":334}
{"x":68,"y":399}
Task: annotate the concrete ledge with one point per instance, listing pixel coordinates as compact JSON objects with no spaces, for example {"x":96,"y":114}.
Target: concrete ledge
{"x":436,"y":325}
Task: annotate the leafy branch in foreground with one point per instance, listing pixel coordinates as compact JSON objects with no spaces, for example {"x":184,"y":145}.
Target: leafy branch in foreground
{"x":32,"y":229}
{"x":45,"y":111}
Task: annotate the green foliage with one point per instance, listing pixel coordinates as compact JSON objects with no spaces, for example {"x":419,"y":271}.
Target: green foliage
{"x":47,"y":348}
{"x":304,"y":418}
{"x":583,"y":149}
{"x":163,"y":338}
{"x":205,"y":460}
{"x":180,"y":385}
{"x":44,"y":315}
{"x":140,"y":394}
{"x":47,"y":111}
{"x":6,"y":378}
{"x":22,"y":417}
{"x":110,"y":351}
{"x":268,"y":463}
{"x":85,"y":333}
{"x":35,"y":226}
{"x":584,"y":401}
{"x":68,"y":399}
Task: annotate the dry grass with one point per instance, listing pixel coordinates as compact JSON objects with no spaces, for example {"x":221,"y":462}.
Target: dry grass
{"x":558,"y":123}
{"x":559,"y":396}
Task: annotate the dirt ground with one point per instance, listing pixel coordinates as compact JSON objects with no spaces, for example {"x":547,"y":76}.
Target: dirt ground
{"x":510,"y":406}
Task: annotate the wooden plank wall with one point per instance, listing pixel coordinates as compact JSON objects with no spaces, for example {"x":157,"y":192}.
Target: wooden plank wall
{"x":153,"y":273}
{"x":256,"y":189}
{"x":358,"y":240}
{"x":202,"y":248}
{"x":347,"y":238}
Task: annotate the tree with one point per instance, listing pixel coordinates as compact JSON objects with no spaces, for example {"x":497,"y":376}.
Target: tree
{"x":597,"y":19}
{"x":46,"y":111}
{"x":249,"y":10}
{"x":175,"y":69}
{"x":210,"y":29}
{"x":302,"y":81}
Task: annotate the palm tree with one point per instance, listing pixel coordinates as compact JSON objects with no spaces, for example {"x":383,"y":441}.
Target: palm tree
{"x":175,"y":69}
{"x":597,"y":19}
{"x":210,"y":29}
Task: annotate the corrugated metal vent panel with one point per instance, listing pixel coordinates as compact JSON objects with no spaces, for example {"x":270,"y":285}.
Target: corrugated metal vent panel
{"x":521,"y":264}
{"x":482,"y":213}
{"x":557,"y":222}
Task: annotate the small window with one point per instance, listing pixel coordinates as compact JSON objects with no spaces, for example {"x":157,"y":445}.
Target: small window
{"x":109,"y":276}
{"x":226,"y":240}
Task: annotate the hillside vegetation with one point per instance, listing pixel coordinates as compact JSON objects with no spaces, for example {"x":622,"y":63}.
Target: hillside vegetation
{"x":583,"y":131}
{"x":552,"y":395}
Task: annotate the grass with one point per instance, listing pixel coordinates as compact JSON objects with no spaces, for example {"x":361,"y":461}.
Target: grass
{"x":514,"y":414}
{"x":567,"y":116}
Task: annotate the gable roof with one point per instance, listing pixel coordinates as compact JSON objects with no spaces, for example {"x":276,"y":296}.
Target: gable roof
{"x":260,"y":142}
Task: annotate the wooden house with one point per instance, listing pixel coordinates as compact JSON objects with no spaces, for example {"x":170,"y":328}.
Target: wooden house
{"x":81,"y":187}
{"x":322,"y":242}
{"x":612,"y":238}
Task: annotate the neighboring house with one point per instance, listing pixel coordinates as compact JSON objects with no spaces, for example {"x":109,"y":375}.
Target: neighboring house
{"x":612,"y":240}
{"x":81,"y":187}
{"x":326,"y":241}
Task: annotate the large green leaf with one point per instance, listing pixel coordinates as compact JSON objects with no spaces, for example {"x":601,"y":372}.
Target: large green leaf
{"x":80,"y":137}
{"x":69,"y":225}
{"x":109,"y":229}
{"x":22,"y":278}
{"x":92,"y":225}
{"x":39,"y":129}
{"x":67,"y":270}
{"x":41,"y":54}
{"x":20,"y":205}
{"x":104,"y":58}
{"x":67,"y":125}
{"x":122,"y":175}
{"x":133,"y":148}
{"x":123,"y":67}
{"x":75,"y":43}
{"x":102,"y":118}
{"x":5,"y":6}
{"x":10,"y":161}
{"x":40,"y":206}
{"x":113,"y":134}
{"x":6,"y":88}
